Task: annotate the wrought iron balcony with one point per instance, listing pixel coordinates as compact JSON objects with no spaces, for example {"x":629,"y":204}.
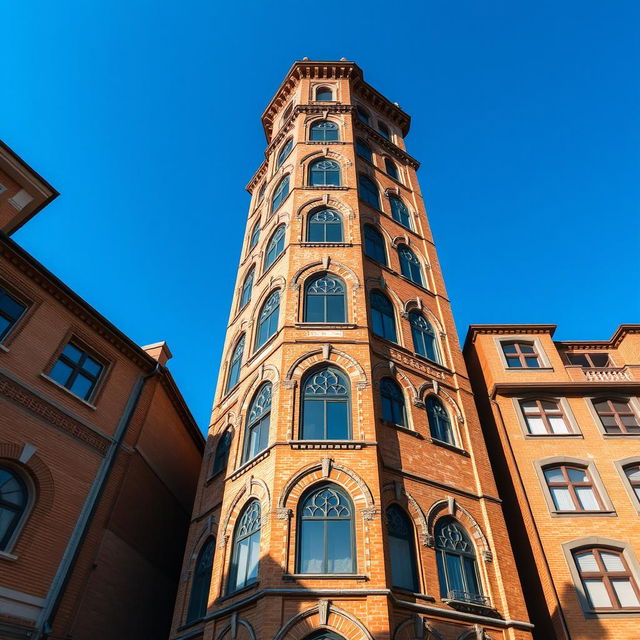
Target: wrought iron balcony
{"x":469,"y":598}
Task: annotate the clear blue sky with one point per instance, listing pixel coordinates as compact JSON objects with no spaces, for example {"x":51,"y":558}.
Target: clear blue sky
{"x":145,"y":116}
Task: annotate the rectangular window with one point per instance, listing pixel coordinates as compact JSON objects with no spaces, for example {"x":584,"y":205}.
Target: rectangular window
{"x":593,"y":360}
{"x":76,"y":370}
{"x":572,"y":489}
{"x":544,"y":417}
{"x":520,"y":355}
{"x":11,"y":311}
{"x":617,"y":416}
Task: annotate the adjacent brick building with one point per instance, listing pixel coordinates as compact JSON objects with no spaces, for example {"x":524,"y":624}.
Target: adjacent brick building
{"x":562,"y":424}
{"x":99,"y":455}
{"x":346,"y":490}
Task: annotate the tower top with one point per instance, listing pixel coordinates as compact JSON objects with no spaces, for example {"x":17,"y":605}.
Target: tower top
{"x":331,"y":70}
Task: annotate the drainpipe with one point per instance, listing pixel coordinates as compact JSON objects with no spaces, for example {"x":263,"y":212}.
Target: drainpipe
{"x":68,"y":561}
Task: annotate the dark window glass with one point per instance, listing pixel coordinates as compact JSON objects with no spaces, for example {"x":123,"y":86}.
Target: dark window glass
{"x":235,"y":364}
{"x":572,"y":489}
{"x":199,"y":599}
{"x":424,"y":336}
{"x":607,"y":579}
{"x":324,"y":94}
{"x":246,"y":548}
{"x":382,"y":317}
{"x":13,"y":503}
{"x":287,"y":112}
{"x":326,"y":406}
{"x":368,"y":191}
{"x":325,"y":523}
{"x":325,"y":131}
{"x":280,"y":194}
{"x":410,"y":265}
{"x":391,"y":169}
{"x":456,"y":561}
{"x":363,"y":150}
{"x":263,"y":188}
{"x":275,"y":246}
{"x":255,"y":236}
{"x":374,"y":245}
{"x":616,"y":415}
{"x":268,"y":318}
{"x":221,"y":458}
{"x":362,"y":115}
{"x":392,"y":399}
{"x":284,"y":152}
{"x":77,"y":371}
{"x":399,"y":212}
{"x":10,"y":312}
{"x":439,"y":421}
{"x":632,"y":472}
{"x":324,"y":226}
{"x":324,"y":173}
{"x":247,"y":286}
{"x":258,"y":420}
{"x":384,"y":130}
{"x":590,"y":360}
{"x":521,"y":355}
{"x":402,"y":549}
{"x":325,"y":300}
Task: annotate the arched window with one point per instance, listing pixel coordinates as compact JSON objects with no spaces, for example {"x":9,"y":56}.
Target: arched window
{"x":246,"y":548}
{"x":363,"y":115}
{"x":384,"y":130}
{"x":572,"y":488}
{"x":255,"y":236}
{"x":424,"y":337}
{"x":324,"y":299}
{"x":402,"y":549}
{"x":258,"y":420}
{"x":199,"y":598}
{"x":235,"y":364}
{"x":325,"y":524}
{"x":456,"y":558}
{"x":368,"y":191}
{"x":268,"y":319}
{"x":383,"y":319}
{"x":326,"y":410}
{"x":391,"y":169}
{"x":287,"y":112}
{"x":363,"y":150}
{"x":247,"y":286}
{"x":439,"y":421}
{"x":399,"y":211}
{"x":324,"y":94}
{"x":632,"y":473}
{"x":221,"y":459}
{"x":607,"y":580}
{"x":374,"y":245}
{"x":410,"y":265}
{"x":324,"y":131}
{"x":275,"y":246}
{"x":616,"y":415}
{"x":284,"y":152}
{"x":280,"y":194}
{"x":263,"y":188}
{"x":13,"y":504}
{"x":392,"y":399}
{"x":324,"y":173}
{"x":324,"y":225}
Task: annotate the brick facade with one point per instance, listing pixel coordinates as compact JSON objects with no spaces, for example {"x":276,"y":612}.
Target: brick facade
{"x":381,"y":463}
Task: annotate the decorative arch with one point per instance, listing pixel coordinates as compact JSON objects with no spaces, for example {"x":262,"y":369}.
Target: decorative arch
{"x":427,"y":389}
{"x":207,"y":530}
{"x":416,"y":628}
{"x":329,"y":355}
{"x":252,"y":488}
{"x":416,"y":304}
{"x":410,"y":504}
{"x":324,"y":615}
{"x":323,"y":471}
{"x":267,"y":372}
{"x":339,"y":269}
{"x":390,"y":369}
{"x":231,"y":629}
{"x":327,"y":153}
{"x":310,"y":119}
{"x":451,"y":507}
{"x":327,"y":201}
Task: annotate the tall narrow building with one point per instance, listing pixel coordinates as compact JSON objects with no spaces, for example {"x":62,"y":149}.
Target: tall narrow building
{"x":346,"y":491}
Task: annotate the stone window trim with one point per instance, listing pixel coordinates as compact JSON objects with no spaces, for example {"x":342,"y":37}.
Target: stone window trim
{"x":620,"y":466}
{"x":596,"y":541}
{"x":316,"y":86}
{"x":335,"y":119}
{"x":545,"y":363}
{"x":574,"y":427}
{"x":634,"y":404}
{"x":592,"y":471}
{"x":29,"y":301}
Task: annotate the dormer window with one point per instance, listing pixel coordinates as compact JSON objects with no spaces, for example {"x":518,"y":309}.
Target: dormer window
{"x":324,"y":94}
{"x":521,"y":355}
{"x":589,"y":360}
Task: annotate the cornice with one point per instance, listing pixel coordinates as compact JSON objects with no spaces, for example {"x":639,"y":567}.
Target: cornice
{"x":567,"y":387}
{"x":506,"y":329}
{"x":381,"y":141}
{"x":620,"y":333}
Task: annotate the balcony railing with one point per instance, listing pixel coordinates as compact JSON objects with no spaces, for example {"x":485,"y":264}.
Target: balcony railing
{"x":470,"y":598}
{"x":606,"y":374}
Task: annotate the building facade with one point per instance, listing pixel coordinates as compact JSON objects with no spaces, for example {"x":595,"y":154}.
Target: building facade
{"x":99,"y":455}
{"x":346,"y":491}
{"x":562,"y":423}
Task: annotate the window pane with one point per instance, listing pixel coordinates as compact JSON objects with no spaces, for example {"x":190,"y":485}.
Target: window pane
{"x":578,"y":358}
{"x":526,"y":348}
{"x":587,"y":562}
{"x":254,"y":556}
{"x":60,"y":372}
{"x":600,"y":359}
{"x":562,"y":499}
{"x":315,"y":308}
{"x":313,"y":415}
{"x":587,"y":498}
{"x":577,"y":475}
{"x":612,"y":561}
{"x":263,"y":435}
{"x":339,"y":546}
{"x":509,"y":348}
{"x":536,"y":425}
{"x":470,"y":575}
{"x":633,"y":473}
{"x":311,"y":546}
{"x":532,"y":362}
{"x":597,"y":593}
{"x":334,"y":232}
{"x":72,"y":352}
{"x":401,"y":565}
{"x":624,"y":591}
{"x":335,"y":308}
{"x":514,"y":363}
{"x":554,"y":475}
{"x":92,"y":367}
{"x":242,"y":559}
{"x":454,"y":572}
{"x":444,"y":590}
{"x":81,"y":386}
{"x":337,"y":421}
{"x":558,"y":425}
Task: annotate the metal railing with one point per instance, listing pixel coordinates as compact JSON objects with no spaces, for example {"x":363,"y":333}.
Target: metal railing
{"x":471,"y":598}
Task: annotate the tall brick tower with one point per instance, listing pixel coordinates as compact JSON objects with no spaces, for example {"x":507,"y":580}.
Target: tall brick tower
{"x":347,"y":492}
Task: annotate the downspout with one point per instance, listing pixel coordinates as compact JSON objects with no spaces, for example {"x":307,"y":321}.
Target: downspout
{"x":533,"y":521}
{"x":68,"y":561}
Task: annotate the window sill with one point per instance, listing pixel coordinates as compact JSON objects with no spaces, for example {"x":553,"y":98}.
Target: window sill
{"x":621,"y":435}
{"x":534,"y":436}
{"x":324,"y":142}
{"x":290,"y":577}
{"x":451,"y":447}
{"x":228,"y":596}
{"x":5,"y":555}
{"x":584,"y":514}
{"x":251,"y":463}
{"x":412,"y":594}
{"x":69,"y":393}
{"x":4,"y":349}
{"x":472,"y":607}
{"x":272,"y":265}
{"x":323,"y":244}
{"x":329,"y":444}
{"x":528,"y":368}
{"x":403,"y":429}
{"x":262,"y":348}
{"x":325,"y":325}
